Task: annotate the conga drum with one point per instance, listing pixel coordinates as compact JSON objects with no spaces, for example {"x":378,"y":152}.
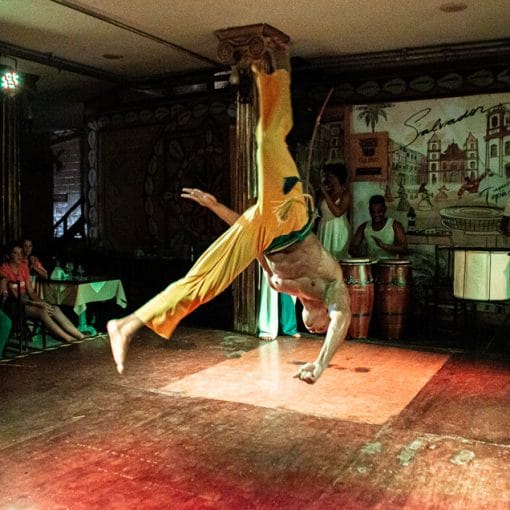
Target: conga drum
{"x":360,"y":285}
{"x":393,"y":291}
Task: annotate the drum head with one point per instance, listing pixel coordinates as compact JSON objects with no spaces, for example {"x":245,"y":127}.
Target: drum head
{"x":394,"y":262}
{"x":355,"y":261}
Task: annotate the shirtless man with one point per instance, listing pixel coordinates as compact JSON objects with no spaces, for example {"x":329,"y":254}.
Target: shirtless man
{"x":276,"y":231}
{"x":305,"y":270}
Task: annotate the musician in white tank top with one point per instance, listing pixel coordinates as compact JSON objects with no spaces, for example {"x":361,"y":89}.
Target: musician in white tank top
{"x":380,"y":238}
{"x":386,"y":235}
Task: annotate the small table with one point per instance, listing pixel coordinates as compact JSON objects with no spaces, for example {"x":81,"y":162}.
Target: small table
{"x":77,"y":293}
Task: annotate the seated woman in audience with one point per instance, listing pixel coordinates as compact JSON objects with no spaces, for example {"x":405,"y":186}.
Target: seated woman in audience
{"x":52,"y":317}
{"x":34,"y":264}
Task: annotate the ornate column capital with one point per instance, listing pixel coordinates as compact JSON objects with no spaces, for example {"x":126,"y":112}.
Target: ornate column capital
{"x":241,"y":46}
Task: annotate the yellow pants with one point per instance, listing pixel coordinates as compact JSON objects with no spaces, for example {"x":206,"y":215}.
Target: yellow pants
{"x":256,"y":229}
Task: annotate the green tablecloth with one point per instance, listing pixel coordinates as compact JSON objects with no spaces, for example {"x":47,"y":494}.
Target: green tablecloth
{"x":78,"y":294}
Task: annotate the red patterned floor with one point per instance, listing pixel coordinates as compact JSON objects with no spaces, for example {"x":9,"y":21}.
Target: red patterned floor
{"x":214,"y":420}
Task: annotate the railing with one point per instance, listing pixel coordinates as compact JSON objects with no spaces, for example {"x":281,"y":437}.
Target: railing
{"x":76,"y":227}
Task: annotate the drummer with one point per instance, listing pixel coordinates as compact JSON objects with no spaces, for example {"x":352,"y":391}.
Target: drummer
{"x":380,"y":238}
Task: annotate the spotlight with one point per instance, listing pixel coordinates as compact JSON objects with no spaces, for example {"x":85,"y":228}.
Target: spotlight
{"x":11,"y":80}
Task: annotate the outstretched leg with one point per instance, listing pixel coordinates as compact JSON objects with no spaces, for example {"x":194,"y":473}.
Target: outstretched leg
{"x":121,"y":332}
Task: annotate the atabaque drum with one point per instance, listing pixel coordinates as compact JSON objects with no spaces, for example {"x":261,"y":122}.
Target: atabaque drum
{"x":481,"y":274}
{"x":360,"y":285}
{"x":393,"y":292}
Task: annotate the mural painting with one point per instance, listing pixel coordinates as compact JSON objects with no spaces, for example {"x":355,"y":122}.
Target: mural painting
{"x":448,"y":161}
{"x":448,"y":176}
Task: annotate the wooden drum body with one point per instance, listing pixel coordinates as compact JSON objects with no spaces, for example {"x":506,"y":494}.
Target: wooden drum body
{"x":360,"y":285}
{"x":393,"y":292}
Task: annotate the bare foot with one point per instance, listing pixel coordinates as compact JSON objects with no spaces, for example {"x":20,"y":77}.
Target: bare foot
{"x":266,"y":338}
{"x":119,"y":343}
{"x":296,"y":335}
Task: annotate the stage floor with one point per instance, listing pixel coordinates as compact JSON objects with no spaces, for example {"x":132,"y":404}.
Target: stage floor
{"x":215,"y":420}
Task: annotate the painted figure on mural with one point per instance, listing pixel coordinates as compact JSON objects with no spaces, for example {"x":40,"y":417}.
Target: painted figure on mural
{"x":380,"y":238}
{"x":505,"y":220}
{"x":277,"y":231}
{"x":472,"y":183}
{"x":334,"y":229}
{"x":411,"y":221}
{"x":425,"y":201}
{"x":442,"y":194}
{"x":388,"y":196}
{"x":403,"y":202}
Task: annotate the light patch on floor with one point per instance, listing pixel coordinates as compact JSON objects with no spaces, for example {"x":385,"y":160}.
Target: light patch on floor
{"x":365,"y":383}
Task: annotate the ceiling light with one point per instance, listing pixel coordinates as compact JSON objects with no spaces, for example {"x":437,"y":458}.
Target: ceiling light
{"x":10,"y":81}
{"x":453,"y":7}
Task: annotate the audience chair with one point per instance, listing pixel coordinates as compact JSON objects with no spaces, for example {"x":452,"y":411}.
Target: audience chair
{"x":25,"y":329}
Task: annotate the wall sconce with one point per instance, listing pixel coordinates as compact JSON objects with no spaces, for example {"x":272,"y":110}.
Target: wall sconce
{"x":10,"y":79}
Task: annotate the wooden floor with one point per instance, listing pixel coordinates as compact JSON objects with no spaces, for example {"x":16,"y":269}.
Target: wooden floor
{"x":215,"y":420}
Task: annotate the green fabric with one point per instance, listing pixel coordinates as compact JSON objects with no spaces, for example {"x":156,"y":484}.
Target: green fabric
{"x":288,"y":323}
{"x":5,"y":330}
{"x":286,"y":240}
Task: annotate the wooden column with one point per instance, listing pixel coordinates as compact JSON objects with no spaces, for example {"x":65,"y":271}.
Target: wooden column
{"x":10,"y":201}
{"x":239,"y":47}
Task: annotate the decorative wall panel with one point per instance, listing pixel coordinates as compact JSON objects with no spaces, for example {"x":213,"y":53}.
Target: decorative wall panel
{"x":139,"y":161}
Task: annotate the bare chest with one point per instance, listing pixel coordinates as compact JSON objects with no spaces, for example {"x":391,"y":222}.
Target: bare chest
{"x":303,"y":287}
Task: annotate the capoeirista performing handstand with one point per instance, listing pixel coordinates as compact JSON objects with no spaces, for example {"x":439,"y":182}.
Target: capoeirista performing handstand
{"x":276,"y":231}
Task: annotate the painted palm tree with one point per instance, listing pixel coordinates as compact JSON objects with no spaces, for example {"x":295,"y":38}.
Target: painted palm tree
{"x":371,"y":113}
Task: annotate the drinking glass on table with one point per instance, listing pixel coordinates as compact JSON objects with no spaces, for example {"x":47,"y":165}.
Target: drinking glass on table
{"x":80,"y":270}
{"x":69,"y":270}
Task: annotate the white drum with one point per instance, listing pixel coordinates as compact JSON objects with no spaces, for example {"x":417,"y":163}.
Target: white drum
{"x":481,"y":275}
